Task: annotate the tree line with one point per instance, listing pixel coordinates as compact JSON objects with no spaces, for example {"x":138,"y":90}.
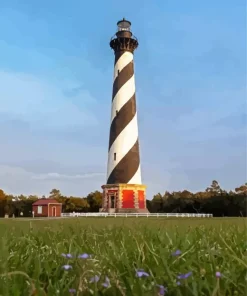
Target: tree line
{"x":213,"y":200}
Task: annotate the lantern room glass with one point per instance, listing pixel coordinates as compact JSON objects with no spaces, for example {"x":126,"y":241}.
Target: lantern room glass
{"x":124,"y":25}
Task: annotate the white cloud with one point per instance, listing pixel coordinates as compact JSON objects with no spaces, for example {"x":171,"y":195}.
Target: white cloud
{"x":42,"y":103}
{"x":57,"y":176}
{"x":16,"y":180}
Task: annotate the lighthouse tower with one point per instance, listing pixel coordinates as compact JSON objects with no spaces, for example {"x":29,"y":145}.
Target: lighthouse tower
{"x":124,"y":191}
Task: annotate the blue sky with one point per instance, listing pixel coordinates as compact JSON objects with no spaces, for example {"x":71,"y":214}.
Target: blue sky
{"x":56,"y":71}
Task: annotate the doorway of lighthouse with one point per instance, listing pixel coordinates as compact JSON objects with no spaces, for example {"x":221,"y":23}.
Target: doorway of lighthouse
{"x":112,"y":201}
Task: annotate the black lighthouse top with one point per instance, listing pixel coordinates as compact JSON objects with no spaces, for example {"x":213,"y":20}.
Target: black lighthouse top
{"x":123,"y":40}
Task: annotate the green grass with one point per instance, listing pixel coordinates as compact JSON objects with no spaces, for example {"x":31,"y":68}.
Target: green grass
{"x":31,"y":261}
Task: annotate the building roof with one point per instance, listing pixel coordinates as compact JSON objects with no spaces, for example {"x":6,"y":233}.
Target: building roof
{"x":45,"y":202}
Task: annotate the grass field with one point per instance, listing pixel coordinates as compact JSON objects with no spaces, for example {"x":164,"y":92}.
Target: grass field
{"x":34,"y":256}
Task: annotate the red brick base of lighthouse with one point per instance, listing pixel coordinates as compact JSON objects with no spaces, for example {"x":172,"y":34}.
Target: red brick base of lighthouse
{"x":124,"y":198}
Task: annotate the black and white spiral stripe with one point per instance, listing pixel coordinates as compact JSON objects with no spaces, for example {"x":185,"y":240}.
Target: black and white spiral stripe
{"x":123,"y":154}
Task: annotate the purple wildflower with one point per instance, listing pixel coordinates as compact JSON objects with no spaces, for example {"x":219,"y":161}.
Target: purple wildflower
{"x":162,"y":290}
{"x":67,"y":255}
{"x":67,"y":267}
{"x":218,"y":274}
{"x":84,"y":256}
{"x":185,"y":275}
{"x":94,"y":279}
{"x":176,"y":253}
{"x":106,"y":284}
{"x":141,"y":273}
{"x":72,"y":291}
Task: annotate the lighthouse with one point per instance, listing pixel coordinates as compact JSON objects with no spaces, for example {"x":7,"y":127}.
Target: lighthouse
{"x":124,"y":191}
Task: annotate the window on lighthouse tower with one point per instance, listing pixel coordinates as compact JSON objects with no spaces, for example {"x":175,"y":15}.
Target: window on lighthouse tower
{"x":115,"y":155}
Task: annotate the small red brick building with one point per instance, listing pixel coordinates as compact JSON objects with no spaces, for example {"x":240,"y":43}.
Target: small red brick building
{"x":47,"y":207}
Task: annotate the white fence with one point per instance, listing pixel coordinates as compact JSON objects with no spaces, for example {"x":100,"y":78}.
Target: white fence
{"x":157,"y":215}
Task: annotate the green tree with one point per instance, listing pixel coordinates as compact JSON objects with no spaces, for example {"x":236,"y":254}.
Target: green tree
{"x":62,"y":199}
{"x":2,"y":195}
{"x":94,"y":200}
{"x":32,"y":197}
{"x":186,"y":194}
{"x":167,"y":195}
{"x":20,"y":197}
{"x":214,"y":188}
{"x":55,"y":193}
{"x":241,"y":189}
{"x":77,"y":204}
{"x":157,"y":202}
{"x":201,"y":195}
{"x":3,"y":201}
